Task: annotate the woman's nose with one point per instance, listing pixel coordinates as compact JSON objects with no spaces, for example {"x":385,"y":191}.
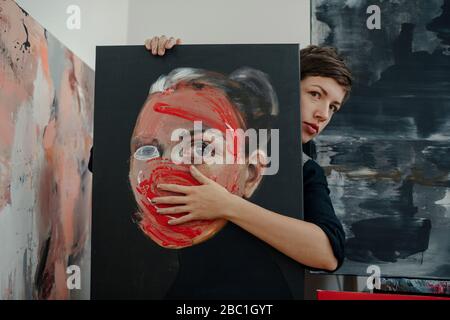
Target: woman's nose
{"x":167,"y":154}
{"x":322,"y":113}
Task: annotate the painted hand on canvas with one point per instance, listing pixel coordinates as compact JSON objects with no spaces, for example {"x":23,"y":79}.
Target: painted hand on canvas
{"x":190,"y":104}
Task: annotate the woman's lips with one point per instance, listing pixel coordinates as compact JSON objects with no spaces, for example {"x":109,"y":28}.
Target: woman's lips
{"x":311,"y":128}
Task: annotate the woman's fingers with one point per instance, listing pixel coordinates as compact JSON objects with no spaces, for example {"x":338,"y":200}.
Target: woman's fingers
{"x":170,"y":200}
{"x":174,"y":188}
{"x":162,"y":45}
{"x":147,"y":44}
{"x":177,"y":209}
{"x":154,"y":45}
{"x":183,"y":219}
{"x":158,"y":45}
{"x":172,"y":42}
{"x":200,"y":177}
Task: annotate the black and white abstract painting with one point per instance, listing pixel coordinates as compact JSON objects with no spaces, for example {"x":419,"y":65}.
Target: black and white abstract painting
{"x":386,"y":153}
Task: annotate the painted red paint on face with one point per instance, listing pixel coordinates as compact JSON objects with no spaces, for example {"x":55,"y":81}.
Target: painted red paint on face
{"x":161,"y":114}
{"x":166,"y":172}
{"x":188,"y":104}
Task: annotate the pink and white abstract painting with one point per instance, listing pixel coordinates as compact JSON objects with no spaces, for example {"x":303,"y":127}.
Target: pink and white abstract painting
{"x":46,"y":119}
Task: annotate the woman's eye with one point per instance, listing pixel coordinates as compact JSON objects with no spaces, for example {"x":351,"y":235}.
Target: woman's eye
{"x":335,"y":108}
{"x":199,"y":148}
{"x":315,"y":94}
{"x":146,"y":153}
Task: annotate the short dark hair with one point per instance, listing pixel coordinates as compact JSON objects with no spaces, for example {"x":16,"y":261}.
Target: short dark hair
{"x":325,"y":62}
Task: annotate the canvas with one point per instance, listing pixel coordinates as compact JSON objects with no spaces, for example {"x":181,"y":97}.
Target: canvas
{"x":46,"y":109}
{"x":142,"y":101}
{"x":386,"y":153}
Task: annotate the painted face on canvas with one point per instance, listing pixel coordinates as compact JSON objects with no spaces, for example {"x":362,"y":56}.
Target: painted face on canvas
{"x":321,"y":98}
{"x":152,"y":161}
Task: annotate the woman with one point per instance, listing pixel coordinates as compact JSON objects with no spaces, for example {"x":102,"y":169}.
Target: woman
{"x":316,"y":242}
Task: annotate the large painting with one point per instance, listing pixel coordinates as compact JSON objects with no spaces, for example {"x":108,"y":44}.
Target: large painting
{"x":386,"y":153}
{"x":156,"y":116}
{"x":46,"y":109}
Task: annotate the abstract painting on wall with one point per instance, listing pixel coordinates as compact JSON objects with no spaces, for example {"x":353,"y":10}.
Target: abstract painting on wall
{"x":147,"y":108}
{"x":386,"y":153}
{"x":46,"y":109}
{"x":417,"y":286}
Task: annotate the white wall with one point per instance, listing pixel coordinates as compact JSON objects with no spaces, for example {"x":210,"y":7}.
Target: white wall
{"x":117,"y":22}
{"x":219,"y":21}
{"x":102,"y":22}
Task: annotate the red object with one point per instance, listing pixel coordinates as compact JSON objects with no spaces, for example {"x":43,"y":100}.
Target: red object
{"x":341,"y":295}
{"x":162,"y":114}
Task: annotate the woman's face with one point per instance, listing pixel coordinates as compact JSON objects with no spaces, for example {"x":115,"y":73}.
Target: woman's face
{"x":321,"y":98}
{"x":151,"y":163}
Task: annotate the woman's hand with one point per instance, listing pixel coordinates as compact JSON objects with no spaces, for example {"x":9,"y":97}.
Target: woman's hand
{"x":205,"y":202}
{"x":159,"y":45}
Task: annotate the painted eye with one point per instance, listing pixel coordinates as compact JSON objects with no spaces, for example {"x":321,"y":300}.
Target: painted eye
{"x":146,"y":153}
{"x":199,"y":148}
